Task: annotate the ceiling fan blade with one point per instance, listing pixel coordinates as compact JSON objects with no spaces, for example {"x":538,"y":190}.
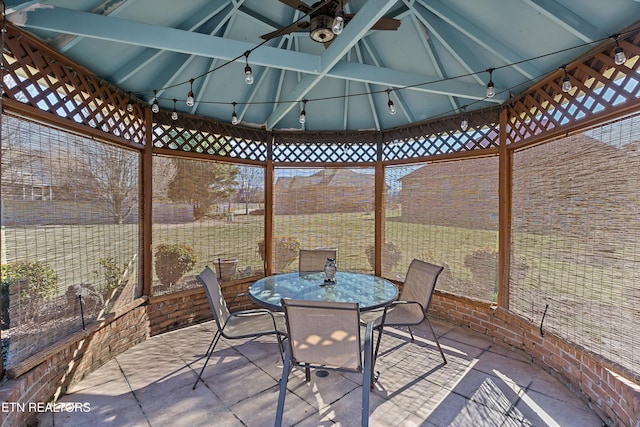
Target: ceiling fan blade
{"x":387,"y":24}
{"x":298,"y":5}
{"x":382,"y":24}
{"x":296,"y":26}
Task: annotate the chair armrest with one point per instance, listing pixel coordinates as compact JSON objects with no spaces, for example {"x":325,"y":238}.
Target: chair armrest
{"x":404,"y":303}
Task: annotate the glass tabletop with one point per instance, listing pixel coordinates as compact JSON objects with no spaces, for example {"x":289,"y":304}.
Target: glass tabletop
{"x":368,"y":291}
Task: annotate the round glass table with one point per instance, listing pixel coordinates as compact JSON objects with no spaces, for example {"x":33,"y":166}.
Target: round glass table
{"x":368,"y":291}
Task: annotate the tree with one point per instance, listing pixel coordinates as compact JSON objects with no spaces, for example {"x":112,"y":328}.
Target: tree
{"x":202,"y":184}
{"x":164,"y":171}
{"x":250,"y":181}
{"x":105,"y":174}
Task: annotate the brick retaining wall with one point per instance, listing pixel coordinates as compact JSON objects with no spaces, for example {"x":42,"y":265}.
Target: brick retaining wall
{"x":70,"y":361}
{"x":609,"y":389}
{"x":605,"y":386}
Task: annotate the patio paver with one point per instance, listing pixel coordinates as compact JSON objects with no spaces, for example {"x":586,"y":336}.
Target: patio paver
{"x":482,"y":384}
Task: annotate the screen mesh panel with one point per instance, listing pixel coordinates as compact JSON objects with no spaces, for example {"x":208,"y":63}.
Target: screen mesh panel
{"x":576,"y":202}
{"x":323,"y":208}
{"x":70,"y":227}
{"x":209,"y":213}
{"x":445,"y":213}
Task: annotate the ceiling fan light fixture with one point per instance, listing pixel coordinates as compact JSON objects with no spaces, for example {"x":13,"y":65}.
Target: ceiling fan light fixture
{"x":338,"y":23}
{"x":320,"y":30}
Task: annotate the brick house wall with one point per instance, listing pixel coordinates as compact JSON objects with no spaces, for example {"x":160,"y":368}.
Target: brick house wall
{"x":455,"y":194}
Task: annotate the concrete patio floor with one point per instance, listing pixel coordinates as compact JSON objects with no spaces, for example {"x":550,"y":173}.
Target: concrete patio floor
{"x":483,"y":384}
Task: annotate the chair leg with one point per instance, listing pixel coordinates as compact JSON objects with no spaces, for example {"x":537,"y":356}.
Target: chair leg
{"x":375,"y":353}
{"x":214,"y":341}
{"x":436,"y":340}
{"x":307,"y":372}
{"x":286,"y":368}
{"x":411,"y":333}
{"x":367,"y":381}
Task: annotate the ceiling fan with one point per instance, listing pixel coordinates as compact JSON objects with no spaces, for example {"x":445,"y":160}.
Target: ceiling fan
{"x":326,"y":20}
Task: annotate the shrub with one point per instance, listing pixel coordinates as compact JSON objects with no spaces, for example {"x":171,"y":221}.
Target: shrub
{"x":40,"y":284}
{"x":173,"y":261}
{"x":483,"y":263}
{"x":112,"y":273}
{"x":391,"y":256}
{"x":286,"y":250}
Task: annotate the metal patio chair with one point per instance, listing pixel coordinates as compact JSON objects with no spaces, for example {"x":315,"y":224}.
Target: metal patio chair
{"x":239,"y":324}
{"x":314,"y":259}
{"x":326,"y":335}
{"x":412,"y":306}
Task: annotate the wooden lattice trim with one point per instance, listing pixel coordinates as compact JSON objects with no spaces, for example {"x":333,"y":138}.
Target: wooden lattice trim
{"x":443,"y":137}
{"x":199,"y":135}
{"x":599,"y":87}
{"x":37,"y":76}
{"x":325,"y":147}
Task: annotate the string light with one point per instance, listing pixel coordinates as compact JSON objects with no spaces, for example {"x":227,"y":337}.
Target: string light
{"x":248,"y":74}
{"x":155,"y":107}
{"x":566,"y":81}
{"x":174,"y":113}
{"x":464,"y":121}
{"x":234,"y":116}
{"x":190,"y":100}
{"x":129,"y":104}
{"x":619,"y":57}
{"x":303,"y":113}
{"x":491,"y":89}
{"x":392,"y":108}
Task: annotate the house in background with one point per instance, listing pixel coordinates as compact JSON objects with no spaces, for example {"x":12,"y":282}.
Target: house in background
{"x":327,"y":191}
{"x":461,"y":194}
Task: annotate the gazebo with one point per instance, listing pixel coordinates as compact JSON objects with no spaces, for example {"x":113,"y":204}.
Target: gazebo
{"x":117,"y":192}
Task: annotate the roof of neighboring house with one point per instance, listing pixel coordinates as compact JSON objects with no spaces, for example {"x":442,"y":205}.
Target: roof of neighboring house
{"x":327,"y":178}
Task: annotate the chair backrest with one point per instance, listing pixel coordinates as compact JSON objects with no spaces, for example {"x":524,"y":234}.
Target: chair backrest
{"x":218,"y":305}
{"x":324,"y":334}
{"x":314,"y":259}
{"x":420,"y":282}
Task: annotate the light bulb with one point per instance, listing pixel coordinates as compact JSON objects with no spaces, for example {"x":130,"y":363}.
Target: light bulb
{"x":174,"y":115}
{"x":130,"y":107}
{"x":566,"y":84}
{"x":155,"y":107}
{"x":491,"y":90}
{"x":248,"y":75}
{"x":303,"y":117}
{"x":234,"y":119}
{"x":392,"y":108}
{"x":190,"y":100}
{"x":464,"y":123}
{"x":338,"y":23}
{"x":619,"y":57}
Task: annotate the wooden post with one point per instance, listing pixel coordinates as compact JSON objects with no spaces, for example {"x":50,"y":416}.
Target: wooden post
{"x":504,"y":213}
{"x":268,"y":211}
{"x":379,"y":209}
{"x":146,"y":207}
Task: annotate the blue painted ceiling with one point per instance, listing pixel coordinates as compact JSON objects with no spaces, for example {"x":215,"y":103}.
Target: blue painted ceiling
{"x":435,"y":64}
